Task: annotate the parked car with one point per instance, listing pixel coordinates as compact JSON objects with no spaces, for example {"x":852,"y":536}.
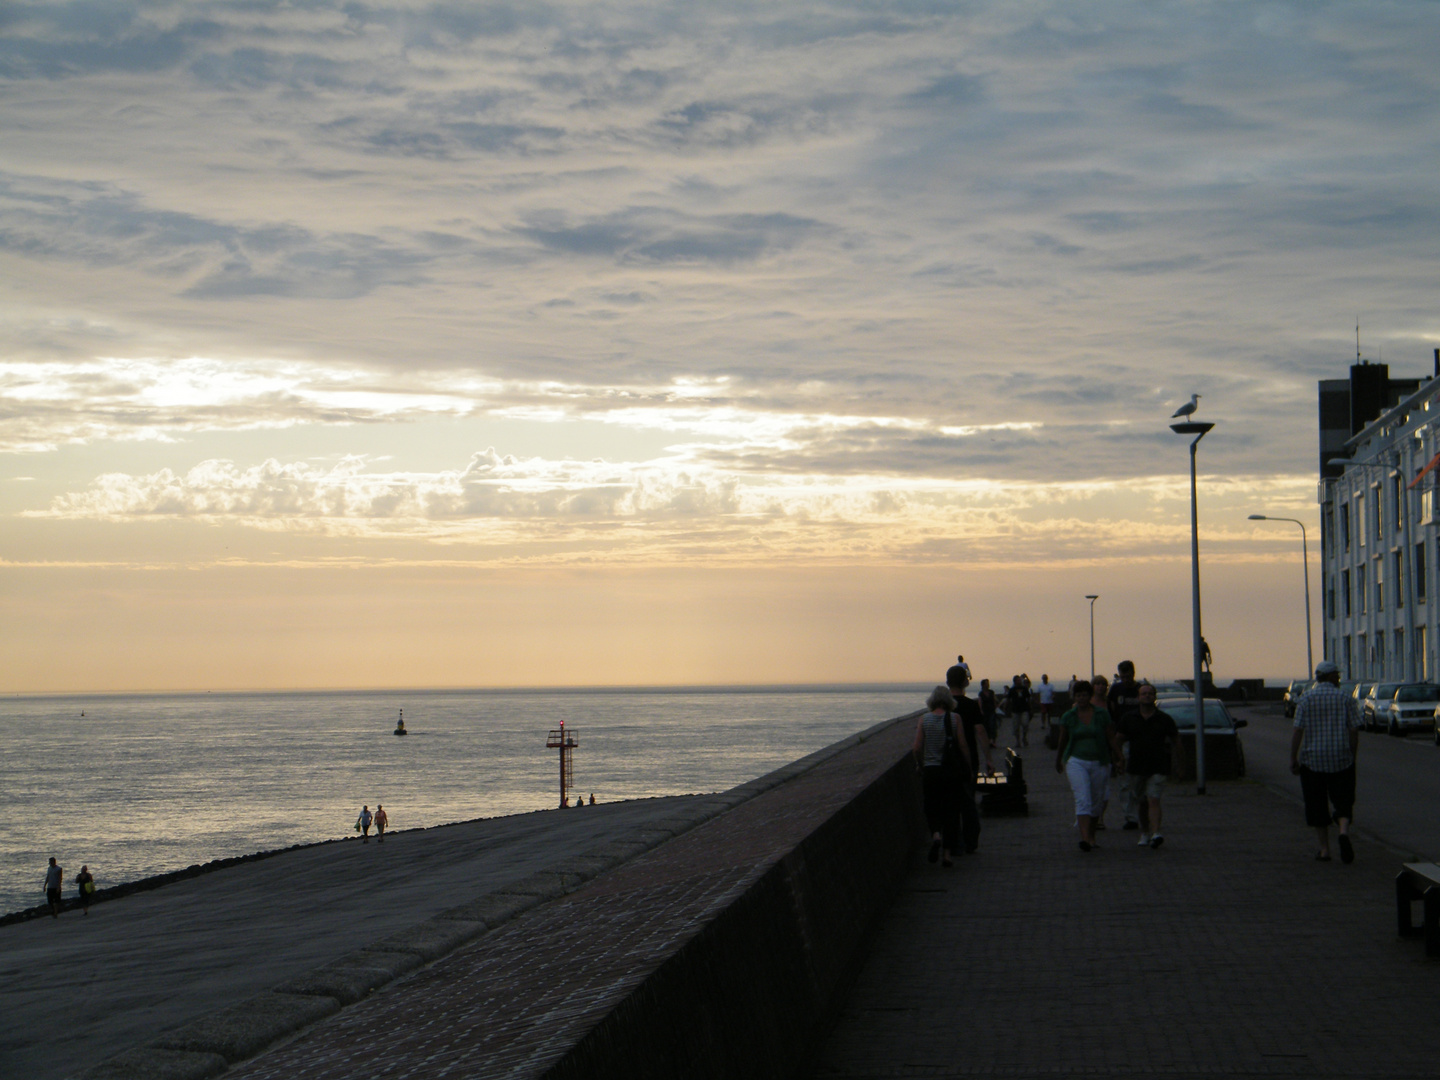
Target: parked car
{"x":1413,"y":706}
{"x":1224,"y":752}
{"x":1293,"y":693}
{"x":1379,"y":696}
{"x":1166,"y":689}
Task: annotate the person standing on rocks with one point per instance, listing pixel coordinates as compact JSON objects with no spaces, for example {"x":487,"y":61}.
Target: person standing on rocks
{"x":1152,"y":752}
{"x":54,"y":880}
{"x":364,"y":820}
{"x":381,"y":820}
{"x":1322,"y":754}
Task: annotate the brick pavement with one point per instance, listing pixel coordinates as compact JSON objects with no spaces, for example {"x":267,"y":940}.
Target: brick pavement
{"x":1228,"y":952}
{"x":523,"y":996}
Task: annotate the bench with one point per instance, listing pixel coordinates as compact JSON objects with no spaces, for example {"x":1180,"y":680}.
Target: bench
{"x":1005,"y":796}
{"x":1419,"y":881}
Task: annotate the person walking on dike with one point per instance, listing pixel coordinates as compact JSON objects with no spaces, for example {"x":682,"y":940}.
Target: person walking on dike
{"x":1086,"y":756}
{"x":364,"y":821}
{"x":945,"y":768}
{"x":1099,"y":693}
{"x":988,"y":704}
{"x":956,"y":669}
{"x":977,"y":741}
{"x":1019,"y":695}
{"x":85,"y":888}
{"x":1153,"y":751}
{"x":54,"y":879}
{"x":1322,"y":754}
{"x":1123,"y":698}
{"x":381,"y":820}
{"x":1046,"y":692}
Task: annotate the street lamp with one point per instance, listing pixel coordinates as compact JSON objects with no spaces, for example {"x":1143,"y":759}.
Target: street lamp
{"x":1092,"y":597}
{"x":1199,"y":430}
{"x":1305,"y":554}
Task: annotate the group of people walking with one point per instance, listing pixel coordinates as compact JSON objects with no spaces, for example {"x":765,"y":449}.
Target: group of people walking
{"x":1118,"y":732}
{"x":1107,"y":733}
{"x":55,"y":884}
{"x":379,"y":819}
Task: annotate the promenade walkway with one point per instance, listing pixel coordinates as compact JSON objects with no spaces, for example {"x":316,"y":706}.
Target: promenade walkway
{"x":1228,"y":952}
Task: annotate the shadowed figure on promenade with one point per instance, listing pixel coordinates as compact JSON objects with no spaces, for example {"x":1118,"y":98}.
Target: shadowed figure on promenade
{"x":1086,"y":756}
{"x":362,"y":823}
{"x":945,"y":770}
{"x":1322,"y":754}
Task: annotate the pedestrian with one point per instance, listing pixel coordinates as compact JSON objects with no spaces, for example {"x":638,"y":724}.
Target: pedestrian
{"x":363,"y":822}
{"x":1047,"y":700}
{"x":1099,"y":695}
{"x":1086,"y":756}
{"x":85,"y":888}
{"x":54,"y":879}
{"x":1152,"y":751}
{"x":1322,"y":754}
{"x":956,"y":669}
{"x":1019,"y":695}
{"x":944,"y":762}
{"x":381,"y":820}
{"x":1123,"y":698}
{"x":988,"y":704}
{"x":977,"y":743}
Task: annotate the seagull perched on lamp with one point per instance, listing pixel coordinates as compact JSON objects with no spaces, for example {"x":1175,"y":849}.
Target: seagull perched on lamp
{"x":1188,"y":408}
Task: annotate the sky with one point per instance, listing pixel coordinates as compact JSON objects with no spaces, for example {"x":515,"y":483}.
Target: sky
{"x":470,"y":344}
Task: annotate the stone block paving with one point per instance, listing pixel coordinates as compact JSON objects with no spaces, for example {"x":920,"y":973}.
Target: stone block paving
{"x":514,"y":1002}
{"x":1228,"y":952}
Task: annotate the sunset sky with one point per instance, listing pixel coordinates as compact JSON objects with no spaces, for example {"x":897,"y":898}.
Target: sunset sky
{"x":413,"y":344}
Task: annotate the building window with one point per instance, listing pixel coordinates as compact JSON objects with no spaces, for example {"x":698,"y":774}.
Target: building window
{"x":1330,"y":600}
{"x":1399,"y":579}
{"x":1345,"y":591}
{"x":1379,"y":585}
{"x":1362,"y":655}
{"x":1349,"y":667}
{"x":1399,"y":490}
{"x":1380,"y":650}
{"x":1422,"y":652}
{"x":1419,"y":571}
{"x":1360,"y":591}
{"x":1378,"y":503}
{"x":1400,"y":650}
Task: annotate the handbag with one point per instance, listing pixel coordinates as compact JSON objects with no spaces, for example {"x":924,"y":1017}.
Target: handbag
{"x":951,"y":758}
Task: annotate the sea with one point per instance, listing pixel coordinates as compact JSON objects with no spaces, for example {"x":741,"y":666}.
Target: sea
{"x":137,"y":785}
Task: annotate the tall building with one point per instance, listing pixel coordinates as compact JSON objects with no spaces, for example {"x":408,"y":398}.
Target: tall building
{"x":1380,"y":523}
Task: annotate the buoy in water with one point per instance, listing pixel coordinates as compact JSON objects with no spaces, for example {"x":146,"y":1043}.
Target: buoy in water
{"x":400,"y":724}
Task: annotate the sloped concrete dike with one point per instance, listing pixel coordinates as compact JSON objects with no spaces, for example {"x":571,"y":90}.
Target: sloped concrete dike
{"x":708,"y":941}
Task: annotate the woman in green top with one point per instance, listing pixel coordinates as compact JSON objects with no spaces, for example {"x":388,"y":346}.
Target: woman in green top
{"x":1086,"y":756}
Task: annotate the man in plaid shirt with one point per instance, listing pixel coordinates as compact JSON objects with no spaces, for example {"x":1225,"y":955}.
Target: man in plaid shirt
{"x":1322,"y":754}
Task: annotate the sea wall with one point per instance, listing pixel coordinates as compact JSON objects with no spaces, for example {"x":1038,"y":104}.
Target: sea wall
{"x":750,"y":992}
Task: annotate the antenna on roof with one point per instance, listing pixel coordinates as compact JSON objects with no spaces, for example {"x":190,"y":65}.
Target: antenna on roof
{"x":1357,"y":340}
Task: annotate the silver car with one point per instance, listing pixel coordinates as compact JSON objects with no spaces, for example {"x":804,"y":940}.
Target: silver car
{"x":1370,"y":709}
{"x":1412,"y":707}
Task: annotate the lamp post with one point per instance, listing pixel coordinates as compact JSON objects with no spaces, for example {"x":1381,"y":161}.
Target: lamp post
{"x":1199,"y":430}
{"x":1092,"y":597}
{"x":1305,"y":554}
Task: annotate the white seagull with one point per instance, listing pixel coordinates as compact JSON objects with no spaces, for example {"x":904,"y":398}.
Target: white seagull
{"x":1188,"y":408}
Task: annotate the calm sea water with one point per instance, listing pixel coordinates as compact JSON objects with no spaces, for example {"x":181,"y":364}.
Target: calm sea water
{"x":142,"y":784}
